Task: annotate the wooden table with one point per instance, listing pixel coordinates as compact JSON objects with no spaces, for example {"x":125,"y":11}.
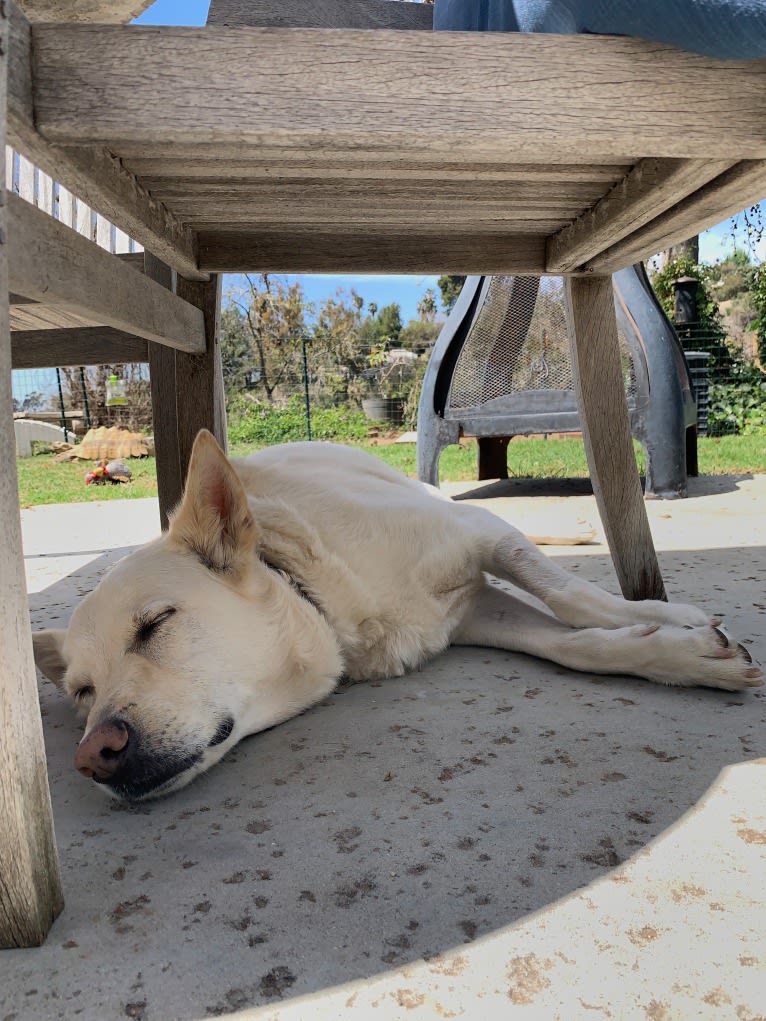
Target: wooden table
{"x":248,"y":145}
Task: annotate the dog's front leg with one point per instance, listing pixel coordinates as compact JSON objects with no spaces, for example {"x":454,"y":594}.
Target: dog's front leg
{"x":508,"y":554}
{"x":667,"y":654}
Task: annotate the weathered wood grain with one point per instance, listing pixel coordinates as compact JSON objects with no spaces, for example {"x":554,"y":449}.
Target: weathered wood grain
{"x":364,"y":215}
{"x":650,"y":188}
{"x":195,"y":166}
{"x":52,"y":263}
{"x":30,"y":886}
{"x":315,"y":189}
{"x":341,"y":153}
{"x":94,"y":345}
{"x":200,"y":398}
{"x":520,"y":94}
{"x":34,"y":315}
{"x":603,"y":411}
{"x":327,"y":14}
{"x":363,"y":250}
{"x":94,"y":175}
{"x":741,"y":186}
{"x":26,"y":314}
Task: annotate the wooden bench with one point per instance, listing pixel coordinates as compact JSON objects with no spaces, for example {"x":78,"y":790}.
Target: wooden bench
{"x":250,"y":145}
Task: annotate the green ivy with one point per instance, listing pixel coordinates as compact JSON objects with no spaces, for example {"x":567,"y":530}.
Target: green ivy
{"x":759,"y":296}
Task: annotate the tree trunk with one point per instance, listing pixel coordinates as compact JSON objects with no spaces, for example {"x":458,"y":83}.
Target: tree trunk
{"x":689,"y":249}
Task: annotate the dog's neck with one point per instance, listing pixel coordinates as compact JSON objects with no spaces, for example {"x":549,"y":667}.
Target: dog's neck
{"x":296,"y":585}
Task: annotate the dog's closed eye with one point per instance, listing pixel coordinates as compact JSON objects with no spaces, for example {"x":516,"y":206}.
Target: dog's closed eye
{"x":148,"y":626}
{"x":84,"y":692}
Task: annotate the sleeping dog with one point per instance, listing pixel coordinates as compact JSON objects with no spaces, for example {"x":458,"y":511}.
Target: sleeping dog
{"x":284,"y":571}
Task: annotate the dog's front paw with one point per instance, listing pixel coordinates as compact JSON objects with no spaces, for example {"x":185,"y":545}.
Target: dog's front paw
{"x":704,"y":655}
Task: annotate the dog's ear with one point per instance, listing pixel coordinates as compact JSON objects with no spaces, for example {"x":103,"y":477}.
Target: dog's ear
{"x":214,"y":519}
{"x":49,"y":657}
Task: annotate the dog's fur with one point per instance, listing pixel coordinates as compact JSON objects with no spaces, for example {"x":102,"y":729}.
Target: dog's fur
{"x":283,"y":571}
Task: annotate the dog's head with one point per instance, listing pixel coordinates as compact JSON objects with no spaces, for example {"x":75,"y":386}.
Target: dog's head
{"x":187,"y":645}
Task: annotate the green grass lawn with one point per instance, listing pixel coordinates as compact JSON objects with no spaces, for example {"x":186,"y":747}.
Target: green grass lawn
{"x":41,"y":480}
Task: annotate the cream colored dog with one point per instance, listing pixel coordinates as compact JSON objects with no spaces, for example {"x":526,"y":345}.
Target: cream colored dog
{"x":283,"y":571}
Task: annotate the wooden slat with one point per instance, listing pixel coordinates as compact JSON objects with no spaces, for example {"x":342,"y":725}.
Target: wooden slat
{"x":528,"y":224}
{"x":27,"y":314}
{"x":30,"y":886}
{"x":157,"y":171}
{"x":94,"y":175}
{"x":327,"y":14}
{"x":605,"y":423}
{"x":320,"y":190}
{"x":365,"y":251}
{"x":741,"y":186}
{"x":521,"y":94}
{"x":96,"y":345}
{"x":52,"y":263}
{"x":651,"y":187}
{"x":35,"y":315}
{"x":358,"y":215}
{"x":341,"y":152}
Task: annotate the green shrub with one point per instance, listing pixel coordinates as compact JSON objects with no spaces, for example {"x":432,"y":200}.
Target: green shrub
{"x":259,"y":424}
{"x":739,"y":404}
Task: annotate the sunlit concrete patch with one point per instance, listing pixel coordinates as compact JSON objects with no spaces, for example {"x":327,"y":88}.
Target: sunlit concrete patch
{"x":63,"y":539}
{"x":677,"y":932}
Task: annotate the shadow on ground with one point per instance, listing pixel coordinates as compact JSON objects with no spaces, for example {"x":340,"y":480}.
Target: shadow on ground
{"x":703,"y":485}
{"x":392,"y":822}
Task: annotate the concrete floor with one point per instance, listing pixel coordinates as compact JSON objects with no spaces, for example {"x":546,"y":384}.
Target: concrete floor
{"x":491,"y":832}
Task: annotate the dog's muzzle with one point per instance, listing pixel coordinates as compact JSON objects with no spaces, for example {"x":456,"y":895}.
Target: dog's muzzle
{"x":115,"y":753}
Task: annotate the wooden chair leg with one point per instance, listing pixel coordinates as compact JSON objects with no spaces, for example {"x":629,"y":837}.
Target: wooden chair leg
{"x":30,"y":887}
{"x":606,"y":431}
{"x":199,"y":378}
{"x":162,"y":376}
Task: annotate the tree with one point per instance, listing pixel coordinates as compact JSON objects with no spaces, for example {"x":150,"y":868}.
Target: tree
{"x":272,"y":315}
{"x":732,"y":275}
{"x":450,"y":287}
{"x":427,"y":306}
{"x":419,"y":335}
{"x":338,"y":358}
{"x":33,"y":401}
{"x":237,"y":355}
{"x":388,"y":323}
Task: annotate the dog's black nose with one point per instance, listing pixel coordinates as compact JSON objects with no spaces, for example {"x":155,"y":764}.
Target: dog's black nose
{"x":103,"y":751}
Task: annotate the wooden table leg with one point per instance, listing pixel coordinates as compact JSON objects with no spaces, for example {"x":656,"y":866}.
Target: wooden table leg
{"x":162,"y":376}
{"x":606,"y":430}
{"x":199,"y":378}
{"x":30,"y":888}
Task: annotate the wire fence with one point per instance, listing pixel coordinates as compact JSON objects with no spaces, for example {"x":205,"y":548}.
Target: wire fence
{"x":307,"y":396}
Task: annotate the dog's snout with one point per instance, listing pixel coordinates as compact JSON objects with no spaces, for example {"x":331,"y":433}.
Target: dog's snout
{"x":103,"y":751}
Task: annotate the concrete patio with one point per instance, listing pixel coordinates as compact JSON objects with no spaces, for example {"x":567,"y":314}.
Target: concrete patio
{"x":492,"y":832}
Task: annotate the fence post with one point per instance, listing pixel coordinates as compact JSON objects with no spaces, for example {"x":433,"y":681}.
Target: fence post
{"x":62,"y":410}
{"x":85,"y":404}
{"x":306,"y":396}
